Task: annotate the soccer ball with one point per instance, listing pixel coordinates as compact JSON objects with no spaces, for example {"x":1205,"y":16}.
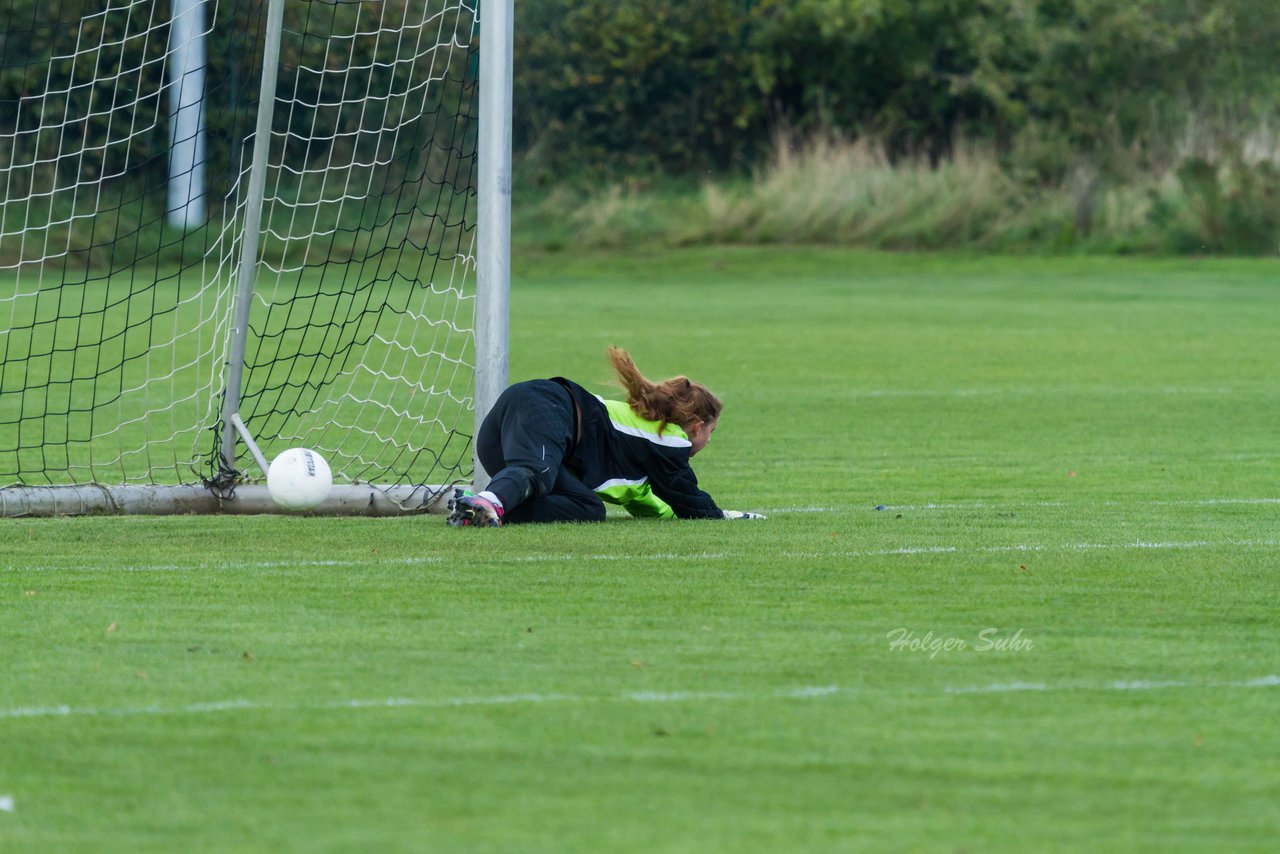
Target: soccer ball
{"x":299,"y":479}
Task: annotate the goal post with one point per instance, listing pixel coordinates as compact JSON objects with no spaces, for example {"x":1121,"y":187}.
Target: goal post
{"x":247,"y":261}
{"x":493,"y":272}
{"x":337,"y":278}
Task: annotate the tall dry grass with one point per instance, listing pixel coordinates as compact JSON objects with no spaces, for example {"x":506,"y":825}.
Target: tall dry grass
{"x":831,"y":190}
{"x":1211,"y":197}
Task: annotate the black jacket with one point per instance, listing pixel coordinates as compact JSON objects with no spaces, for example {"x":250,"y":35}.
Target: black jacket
{"x":625,"y":460}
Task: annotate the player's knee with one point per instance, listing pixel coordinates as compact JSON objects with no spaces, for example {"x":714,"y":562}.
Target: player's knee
{"x":542,"y":480}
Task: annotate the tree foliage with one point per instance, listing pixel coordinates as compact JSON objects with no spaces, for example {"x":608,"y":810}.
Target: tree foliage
{"x":644,"y":82}
{"x":685,"y":85}
{"x":84,"y":93}
{"x":678,"y":87}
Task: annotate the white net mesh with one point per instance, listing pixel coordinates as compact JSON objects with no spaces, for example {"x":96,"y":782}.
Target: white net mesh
{"x":115,"y":324}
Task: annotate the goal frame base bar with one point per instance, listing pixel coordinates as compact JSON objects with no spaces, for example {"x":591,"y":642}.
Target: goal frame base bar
{"x":246,"y":499}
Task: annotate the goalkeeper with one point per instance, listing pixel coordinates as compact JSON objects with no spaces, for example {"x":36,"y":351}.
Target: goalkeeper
{"x":559,"y":452}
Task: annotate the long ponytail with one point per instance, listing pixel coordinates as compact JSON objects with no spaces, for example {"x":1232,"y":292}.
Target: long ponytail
{"x":678,"y":400}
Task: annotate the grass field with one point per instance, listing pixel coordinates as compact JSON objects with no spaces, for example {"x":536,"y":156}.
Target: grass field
{"x":1059,"y":633}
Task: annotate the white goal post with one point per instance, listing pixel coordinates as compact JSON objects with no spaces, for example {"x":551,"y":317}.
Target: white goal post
{"x":293,"y":217}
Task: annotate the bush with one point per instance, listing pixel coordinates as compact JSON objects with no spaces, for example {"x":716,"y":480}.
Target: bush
{"x":1231,"y":207}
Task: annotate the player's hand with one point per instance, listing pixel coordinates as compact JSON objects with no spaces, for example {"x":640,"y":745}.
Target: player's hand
{"x":739,"y":514}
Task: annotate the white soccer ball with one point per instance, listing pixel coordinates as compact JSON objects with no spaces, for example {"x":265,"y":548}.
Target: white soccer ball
{"x":299,"y":479}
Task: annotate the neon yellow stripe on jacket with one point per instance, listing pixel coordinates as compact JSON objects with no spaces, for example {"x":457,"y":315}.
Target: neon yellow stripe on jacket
{"x":625,"y":420}
{"x":635,"y":495}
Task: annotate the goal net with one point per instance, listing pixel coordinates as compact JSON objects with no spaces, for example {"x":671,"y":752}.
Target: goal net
{"x":176,"y":248}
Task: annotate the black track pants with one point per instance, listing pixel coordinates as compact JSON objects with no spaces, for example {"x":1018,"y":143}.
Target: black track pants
{"x":523,"y":442}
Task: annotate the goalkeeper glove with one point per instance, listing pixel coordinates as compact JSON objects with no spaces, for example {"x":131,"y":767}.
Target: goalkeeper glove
{"x":738,"y":514}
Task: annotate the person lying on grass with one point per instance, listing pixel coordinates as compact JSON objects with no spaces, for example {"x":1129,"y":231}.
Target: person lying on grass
{"x":559,"y":452}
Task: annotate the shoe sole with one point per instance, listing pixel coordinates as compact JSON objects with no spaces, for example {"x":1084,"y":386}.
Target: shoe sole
{"x":465,"y":515}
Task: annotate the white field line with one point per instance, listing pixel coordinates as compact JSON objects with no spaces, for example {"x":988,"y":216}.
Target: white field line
{"x":809,"y":509}
{"x":1119,"y":685}
{"x":1014,"y":504}
{"x":807,"y":692}
{"x":206,"y":566}
{"x":655,"y":557}
{"x":1209,"y":502}
{"x":661,"y":557}
{"x":639,"y":697}
{"x":1034,"y":391}
{"x":1034,"y":548}
{"x":407,"y":561}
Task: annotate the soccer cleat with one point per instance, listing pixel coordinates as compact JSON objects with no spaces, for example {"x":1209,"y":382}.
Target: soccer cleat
{"x":467,"y":508}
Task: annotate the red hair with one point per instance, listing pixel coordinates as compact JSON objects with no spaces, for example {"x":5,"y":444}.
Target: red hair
{"x":678,"y":400}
